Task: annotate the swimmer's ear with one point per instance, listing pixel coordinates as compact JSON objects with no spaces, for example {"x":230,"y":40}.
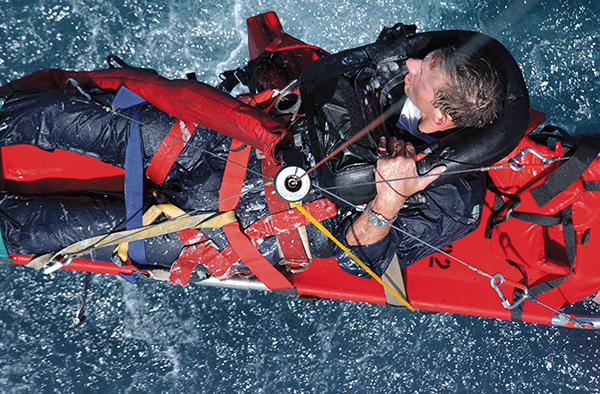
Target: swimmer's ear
{"x":442,"y":120}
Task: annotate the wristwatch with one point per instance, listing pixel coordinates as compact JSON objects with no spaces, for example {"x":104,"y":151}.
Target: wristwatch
{"x":376,"y":219}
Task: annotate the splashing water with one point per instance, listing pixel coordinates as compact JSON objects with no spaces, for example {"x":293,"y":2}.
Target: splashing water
{"x":157,"y":338}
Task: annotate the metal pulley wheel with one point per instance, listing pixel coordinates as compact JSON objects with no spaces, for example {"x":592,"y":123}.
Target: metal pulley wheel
{"x":288,"y":185}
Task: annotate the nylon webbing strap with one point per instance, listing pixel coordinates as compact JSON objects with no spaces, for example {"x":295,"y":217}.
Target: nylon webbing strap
{"x":134,"y":171}
{"x":565,"y":175}
{"x":231,"y":187}
{"x":290,"y":242}
{"x":506,"y":208}
{"x":591,"y":186}
{"x":536,"y":218}
{"x":566,"y":219}
{"x":251,"y":256}
{"x":168,"y":151}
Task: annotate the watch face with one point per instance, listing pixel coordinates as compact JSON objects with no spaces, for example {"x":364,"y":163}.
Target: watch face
{"x":376,"y":219}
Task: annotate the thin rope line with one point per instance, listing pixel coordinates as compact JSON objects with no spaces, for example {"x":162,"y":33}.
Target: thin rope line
{"x":166,"y":134}
{"x":146,"y":228}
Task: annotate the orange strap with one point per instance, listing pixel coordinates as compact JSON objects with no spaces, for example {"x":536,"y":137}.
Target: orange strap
{"x":169,"y":150}
{"x":250,"y":255}
{"x":190,"y":257}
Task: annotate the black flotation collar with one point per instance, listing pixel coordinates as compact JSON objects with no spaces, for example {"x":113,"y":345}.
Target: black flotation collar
{"x":344,"y":72}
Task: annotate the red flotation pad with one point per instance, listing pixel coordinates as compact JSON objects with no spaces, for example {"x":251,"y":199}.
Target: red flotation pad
{"x":188,"y":100}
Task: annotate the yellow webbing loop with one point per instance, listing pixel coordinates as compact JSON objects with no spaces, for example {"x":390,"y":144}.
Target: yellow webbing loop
{"x":149,"y":217}
{"x":208,"y":220}
{"x":352,"y":255}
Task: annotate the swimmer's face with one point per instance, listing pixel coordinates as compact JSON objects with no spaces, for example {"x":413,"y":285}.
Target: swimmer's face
{"x":423,"y":78}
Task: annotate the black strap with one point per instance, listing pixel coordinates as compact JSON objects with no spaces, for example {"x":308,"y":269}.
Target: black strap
{"x":561,"y":179}
{"x":591,"y":186}
{"x":502,"y":210}
{"x":536,"y":218}
{"x":549,"y":132}
{"x":566,"y":219}
{"x":516,"y":314}
{"x":122,"y":64}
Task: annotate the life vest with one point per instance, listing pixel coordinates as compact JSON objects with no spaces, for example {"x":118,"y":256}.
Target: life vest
{"x":545,"y":212}
{"x":344,"y":92}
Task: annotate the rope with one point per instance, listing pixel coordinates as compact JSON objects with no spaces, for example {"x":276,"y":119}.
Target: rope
{"x":352,"y":255}
{"x":359,"y":135}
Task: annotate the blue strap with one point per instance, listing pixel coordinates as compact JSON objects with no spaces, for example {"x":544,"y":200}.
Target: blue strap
{"x":132,"y":278}
{"x":134,"y":171}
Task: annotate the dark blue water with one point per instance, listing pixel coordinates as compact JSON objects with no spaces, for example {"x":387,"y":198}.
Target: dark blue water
{"x":156,"y":338}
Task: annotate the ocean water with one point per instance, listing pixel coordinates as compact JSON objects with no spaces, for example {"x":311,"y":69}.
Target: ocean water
{"x":157,"y":338}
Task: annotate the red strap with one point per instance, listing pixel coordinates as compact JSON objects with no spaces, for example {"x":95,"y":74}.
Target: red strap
{"x":289,"y":241}
{"x":283,"y":222}
{"x":169,"y":150}
{"x":191,"y":256}
{"x":233,"y":176}
{"x":258,"y":264}
{"x":231,"y":187}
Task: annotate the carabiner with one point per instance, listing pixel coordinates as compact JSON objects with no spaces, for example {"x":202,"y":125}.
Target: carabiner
{"x":496,"y":282}
{"x":57,"y":262}
{"x":515,"y":165}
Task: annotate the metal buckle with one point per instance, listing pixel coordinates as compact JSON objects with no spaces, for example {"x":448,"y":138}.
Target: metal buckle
{"x":287,"y":102}
{"x":57,"y":262}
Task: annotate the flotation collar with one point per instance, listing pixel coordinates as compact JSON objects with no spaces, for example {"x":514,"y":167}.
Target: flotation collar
{"x":342,"y":93}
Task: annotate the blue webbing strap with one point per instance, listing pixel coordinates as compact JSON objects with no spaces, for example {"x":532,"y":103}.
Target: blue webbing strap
{"x":134,"y":171}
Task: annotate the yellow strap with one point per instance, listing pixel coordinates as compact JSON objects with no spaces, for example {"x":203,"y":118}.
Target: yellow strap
{"x":170,"y":226}
{"x":149,"y":217}
{"x":352,"y":255}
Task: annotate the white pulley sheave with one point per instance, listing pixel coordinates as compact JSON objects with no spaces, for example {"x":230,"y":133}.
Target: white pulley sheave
{"x":289,"y":184}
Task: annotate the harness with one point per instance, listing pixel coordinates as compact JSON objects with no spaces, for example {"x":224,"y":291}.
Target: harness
{"x":283,"y":222}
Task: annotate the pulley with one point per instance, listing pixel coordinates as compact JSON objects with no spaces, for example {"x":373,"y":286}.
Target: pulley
{"x":289,"y":184}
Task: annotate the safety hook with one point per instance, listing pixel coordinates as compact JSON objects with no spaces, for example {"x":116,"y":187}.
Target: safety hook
{"x":496,"y":281}
{"x":516,"y":165}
